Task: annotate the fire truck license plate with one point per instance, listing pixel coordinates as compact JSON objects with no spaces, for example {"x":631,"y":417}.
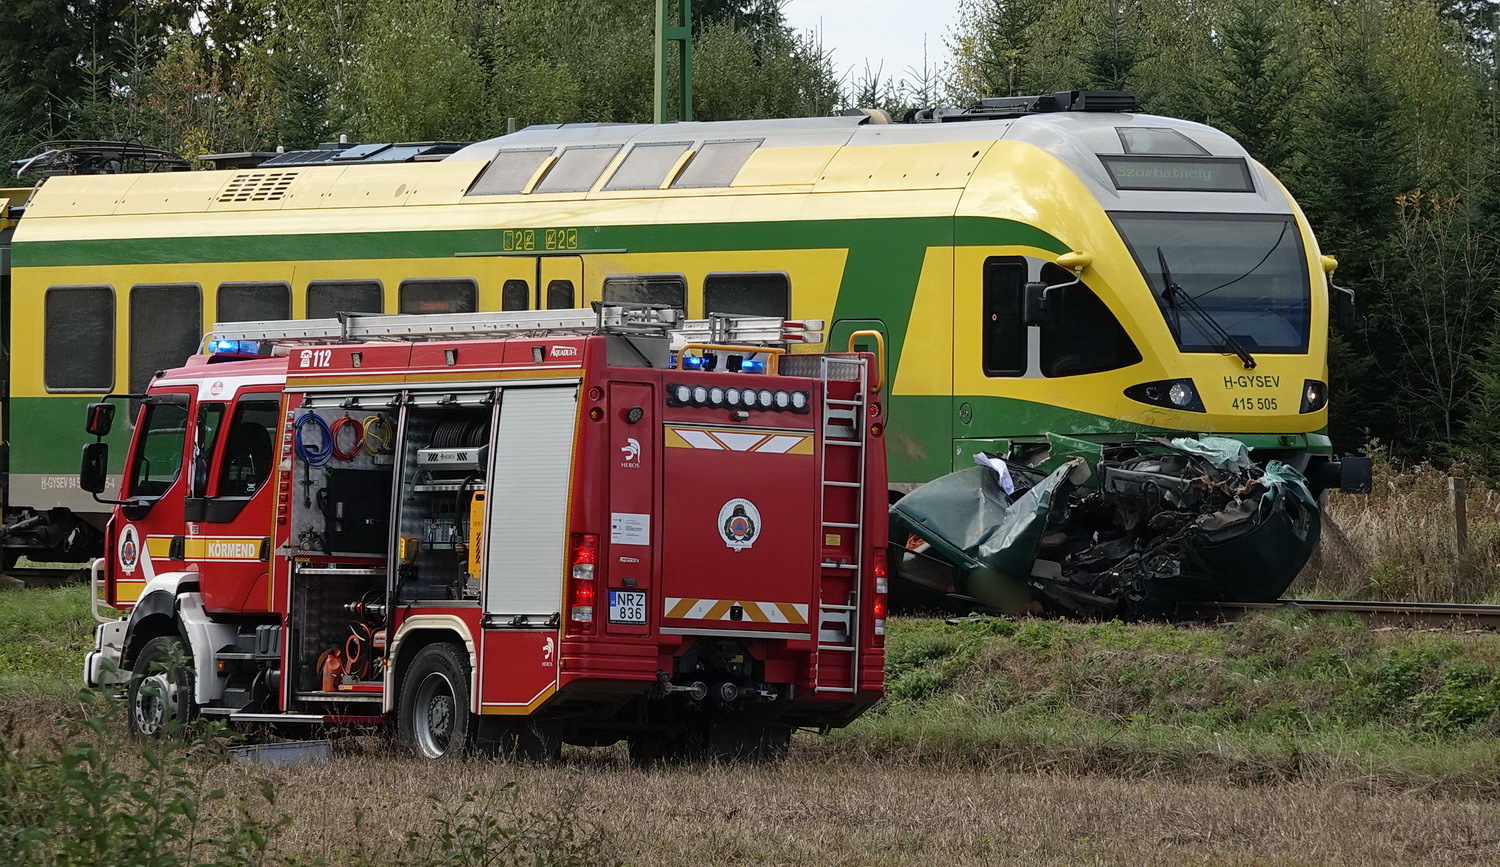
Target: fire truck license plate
{"x":627,"y":606}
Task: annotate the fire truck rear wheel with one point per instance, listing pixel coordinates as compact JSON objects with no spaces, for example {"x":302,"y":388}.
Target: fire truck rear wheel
{"x":160,"y":695}
{"x":434,"y":716}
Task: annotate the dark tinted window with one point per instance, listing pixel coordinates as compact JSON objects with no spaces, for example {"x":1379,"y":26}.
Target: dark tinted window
{"x":328,"y":298}
{"x":670,"y":289}
{"x":1004,"y":329}
{"x":156,"y":465}
{"x":515,"y":295}
{"x":249,"y":451}
{"x":748,"y":294}
{"x":80,"y":338}
{"x":166,"y":326}
{"x":1087,"y":337}
{"x":439,"y":296}
{"x":250,"y":302}
{"x":560,"y":295}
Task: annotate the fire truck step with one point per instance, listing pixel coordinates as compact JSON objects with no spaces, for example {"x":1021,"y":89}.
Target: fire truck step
{"x":835,"y":689}
{"x":846,"y":526}
{"x":833,"y":442}
{"x":315,"y":718}
{"x":842,"y":484}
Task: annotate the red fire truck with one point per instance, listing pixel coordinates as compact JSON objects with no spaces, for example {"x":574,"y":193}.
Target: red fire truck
{"x":507,"y":530}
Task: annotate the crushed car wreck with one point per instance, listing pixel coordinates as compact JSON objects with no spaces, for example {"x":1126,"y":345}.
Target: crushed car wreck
{"x":1117,"y":531}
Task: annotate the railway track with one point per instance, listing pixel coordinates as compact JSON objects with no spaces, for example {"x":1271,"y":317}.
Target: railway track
{"x":1446,"y":615}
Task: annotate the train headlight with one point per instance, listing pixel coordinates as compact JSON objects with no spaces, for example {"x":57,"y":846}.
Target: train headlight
{"x":1181,"y":394}
{"x":1314,"y":395}
{"x":1178,"y":394}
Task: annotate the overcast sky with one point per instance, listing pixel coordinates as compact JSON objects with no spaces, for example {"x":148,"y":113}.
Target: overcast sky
{"x":886,"y":34}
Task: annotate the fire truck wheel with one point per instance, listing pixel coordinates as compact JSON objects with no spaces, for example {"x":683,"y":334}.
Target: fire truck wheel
{"x":434,"y":712}
{"x":160,"y":695}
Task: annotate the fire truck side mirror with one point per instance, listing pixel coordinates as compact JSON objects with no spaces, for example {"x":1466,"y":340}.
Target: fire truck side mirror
{"x":101,"y":417}
{"x":95,"y":470}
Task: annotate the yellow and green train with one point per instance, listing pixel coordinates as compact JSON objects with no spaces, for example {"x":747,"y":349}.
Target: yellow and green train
{"x":1183,"y":289}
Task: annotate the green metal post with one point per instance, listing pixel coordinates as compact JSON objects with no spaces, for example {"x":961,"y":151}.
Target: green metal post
{"x":674,"y":31}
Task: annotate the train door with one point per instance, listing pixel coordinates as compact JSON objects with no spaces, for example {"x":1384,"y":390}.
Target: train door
{"x":559,"y":282}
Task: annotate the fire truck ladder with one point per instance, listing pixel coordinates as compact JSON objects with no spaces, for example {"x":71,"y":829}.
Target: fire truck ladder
{"x":650,"y":320}
{"x":836,"y":665}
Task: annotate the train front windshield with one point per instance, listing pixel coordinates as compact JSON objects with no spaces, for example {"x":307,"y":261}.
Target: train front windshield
{"x":1245,"y":274}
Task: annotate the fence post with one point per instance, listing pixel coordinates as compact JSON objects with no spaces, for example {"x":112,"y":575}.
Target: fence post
{"x":1459,"y":495}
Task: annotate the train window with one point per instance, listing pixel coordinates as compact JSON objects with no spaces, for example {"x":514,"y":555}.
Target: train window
{"x":560,"y":295}
{"x":328,"y":298}
{"x":1154,"y":140}
{"x":250,"y":302}
{"x":439,"y":296}
{"x":166,"y":326}
{"x":669,"y":289}
{"x":716,"y":163}
{"x":509,"y":172}
{"x":1004,"y":341}
{"x":158,"y":458}
{"x":79,"y":338}
{"x":577,"y":169}
{"x":748,"y":294}
{"x":1085,"y":337}
{"x":646,"y":166}
{"x":515,"y":295}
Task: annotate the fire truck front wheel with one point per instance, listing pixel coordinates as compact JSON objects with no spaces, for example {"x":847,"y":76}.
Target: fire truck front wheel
{"x":160,"y":695}
{"x":434,"y":716}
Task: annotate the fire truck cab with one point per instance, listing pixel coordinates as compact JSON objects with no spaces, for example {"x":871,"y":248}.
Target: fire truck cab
{"x":507,"y":530}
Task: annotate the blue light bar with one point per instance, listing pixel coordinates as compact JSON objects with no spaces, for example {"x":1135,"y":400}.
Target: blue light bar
{"x":234,"y":347}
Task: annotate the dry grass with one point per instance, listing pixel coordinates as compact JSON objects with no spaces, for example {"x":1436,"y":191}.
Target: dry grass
{"x":1399,"y":542}
{"x":816,"y":812}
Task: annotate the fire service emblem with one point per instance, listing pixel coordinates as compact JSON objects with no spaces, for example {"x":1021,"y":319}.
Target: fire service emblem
{"x":739,"y":523}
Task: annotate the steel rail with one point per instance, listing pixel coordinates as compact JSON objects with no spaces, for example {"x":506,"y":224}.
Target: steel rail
{"x":1405,"y":614}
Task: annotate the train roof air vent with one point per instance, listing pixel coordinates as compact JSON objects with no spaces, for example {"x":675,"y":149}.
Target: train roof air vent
{"x":257,"y":187}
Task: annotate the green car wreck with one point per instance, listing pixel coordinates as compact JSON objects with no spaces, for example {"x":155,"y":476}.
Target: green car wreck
{"x":1119,"y":531}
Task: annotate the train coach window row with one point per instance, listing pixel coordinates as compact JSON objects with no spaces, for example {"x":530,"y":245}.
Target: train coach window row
{"x":166,"y":321}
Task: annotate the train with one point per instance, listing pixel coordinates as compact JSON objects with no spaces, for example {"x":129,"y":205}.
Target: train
{"x":1033,"y":268}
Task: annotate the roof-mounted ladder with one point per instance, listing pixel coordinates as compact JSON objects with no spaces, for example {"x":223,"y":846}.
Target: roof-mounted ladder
{"x":641,"y":320}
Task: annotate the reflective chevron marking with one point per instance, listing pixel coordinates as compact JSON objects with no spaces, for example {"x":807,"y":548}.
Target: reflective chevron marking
{"x":718,"y":609}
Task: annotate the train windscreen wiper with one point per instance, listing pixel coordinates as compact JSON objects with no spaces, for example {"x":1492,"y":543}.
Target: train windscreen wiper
{"x":1173,"y":294}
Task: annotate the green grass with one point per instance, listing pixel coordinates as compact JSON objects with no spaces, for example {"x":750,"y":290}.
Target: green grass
{"x":43,"y":637}
{"x":1278,"y":697}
